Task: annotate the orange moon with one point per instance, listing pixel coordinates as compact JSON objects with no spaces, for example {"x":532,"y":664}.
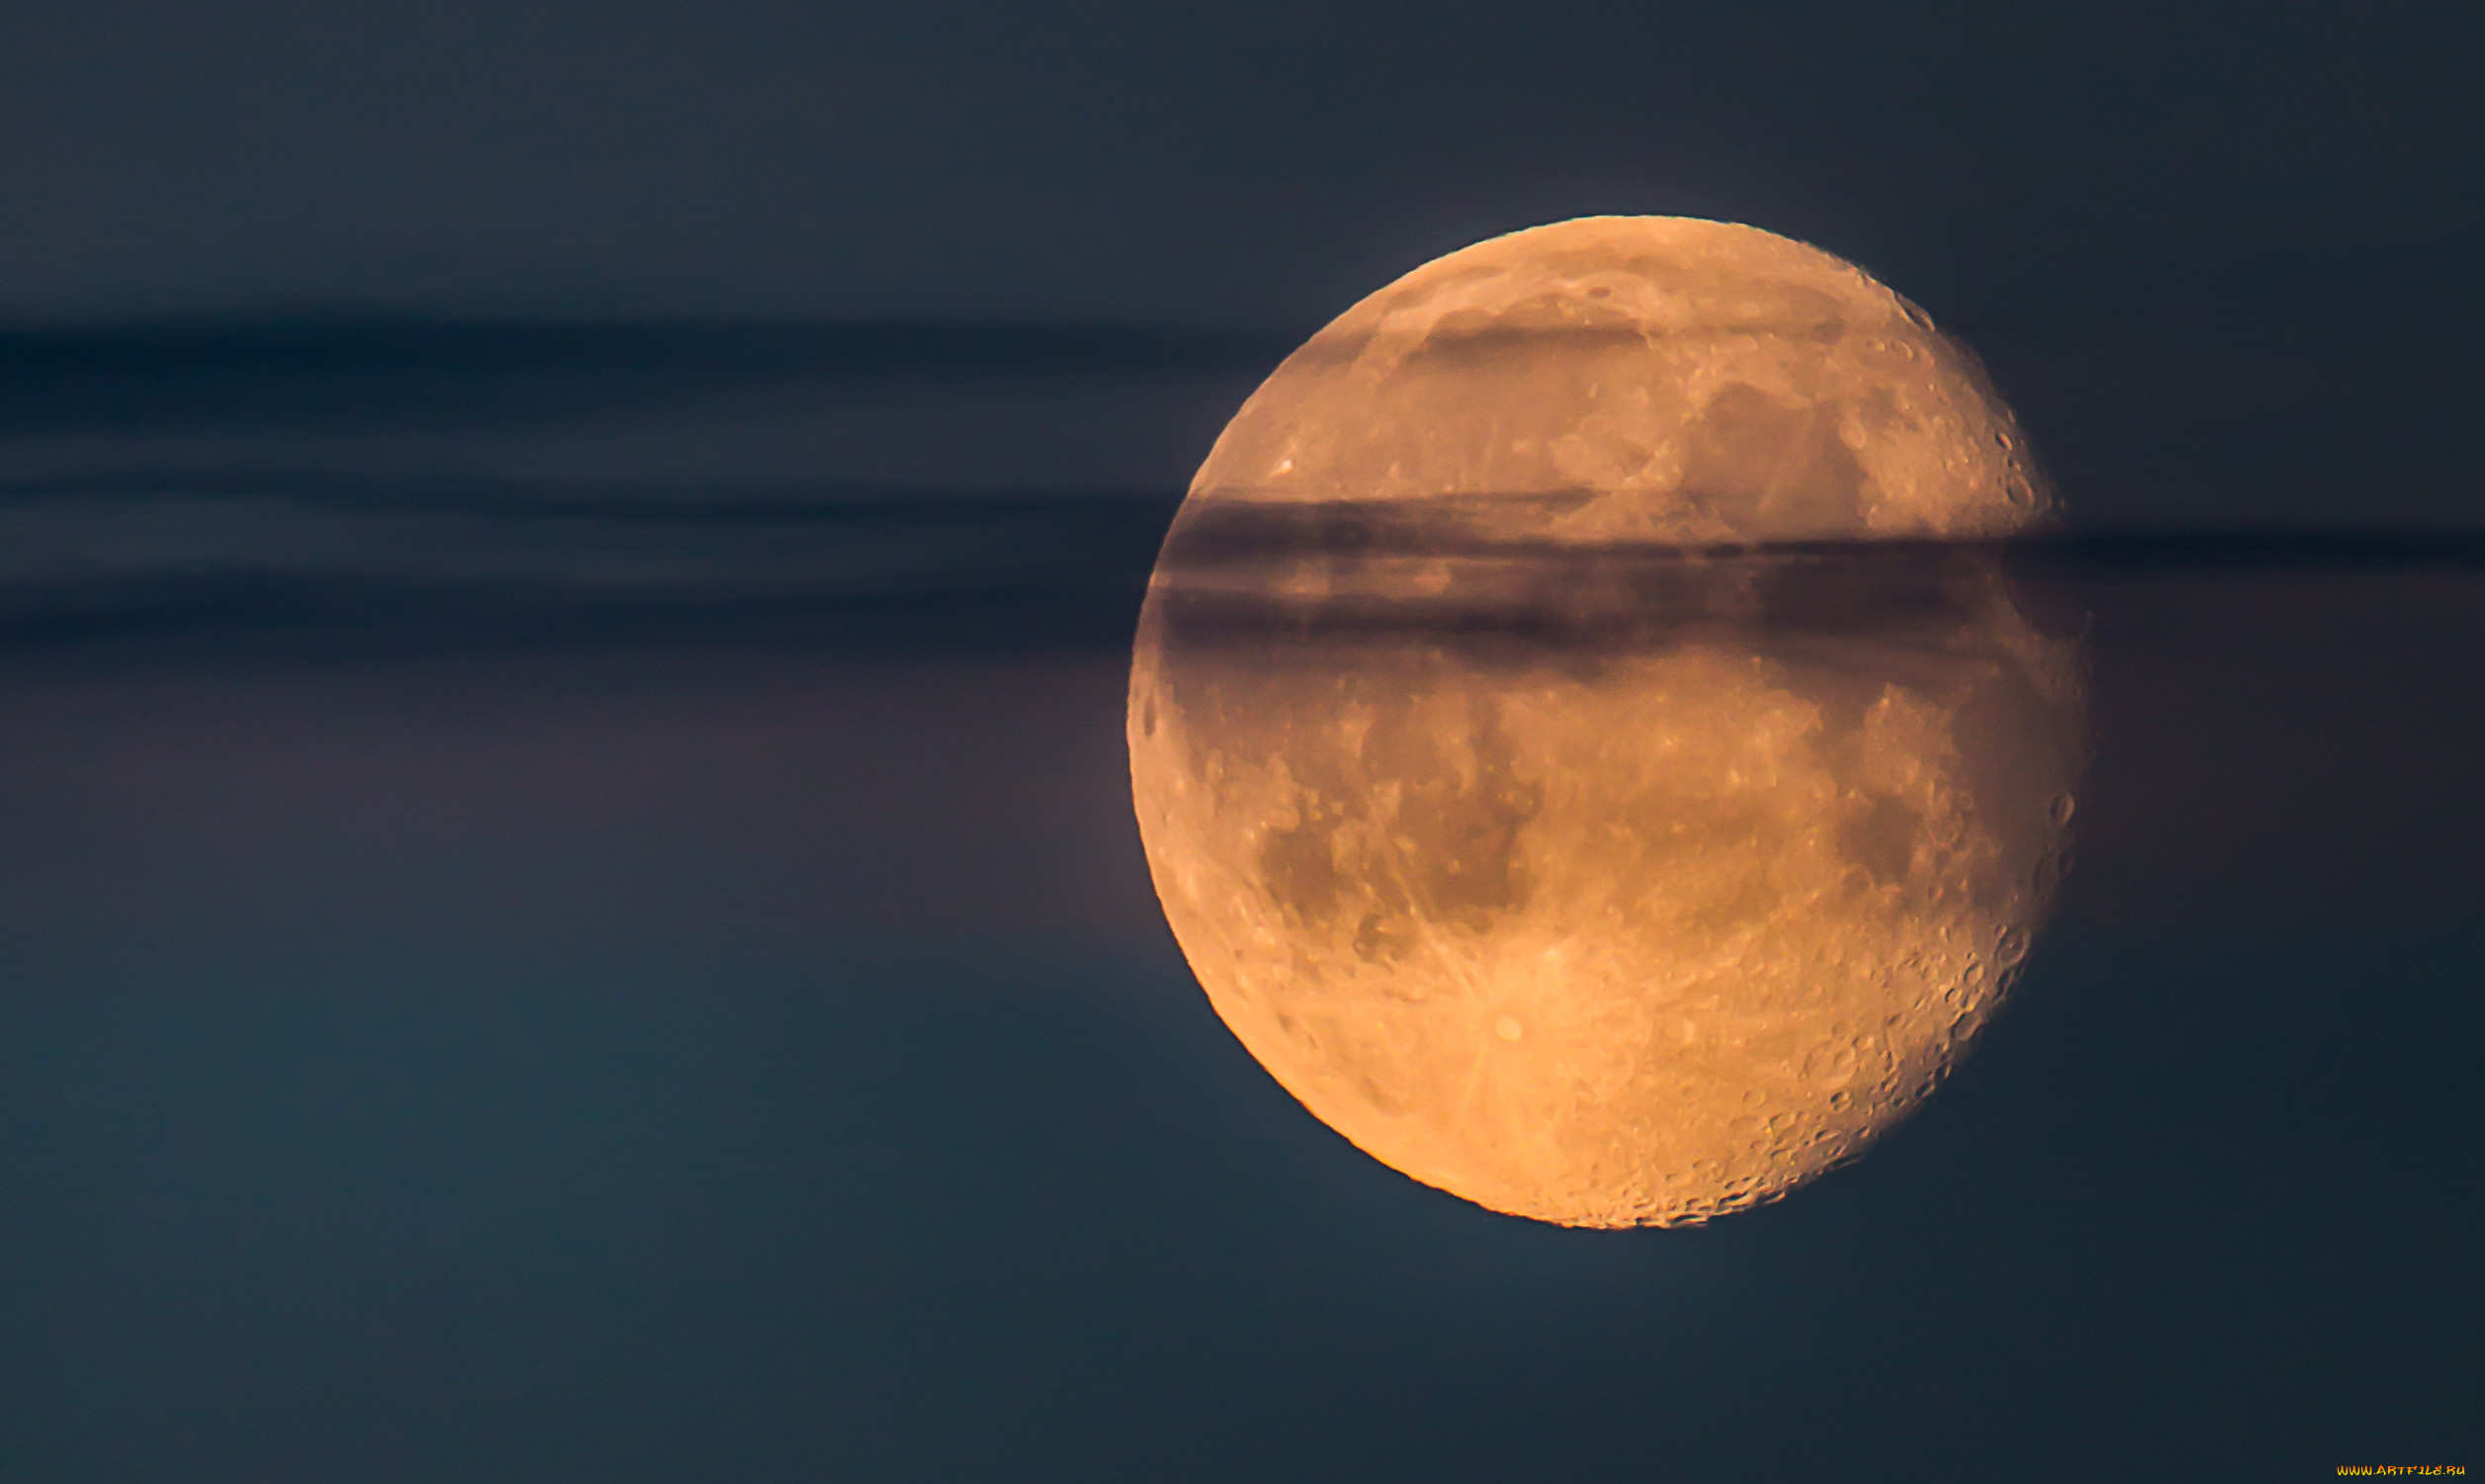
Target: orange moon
{"x":1585,"y":740}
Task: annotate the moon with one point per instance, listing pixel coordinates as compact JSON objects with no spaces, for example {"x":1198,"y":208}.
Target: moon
{"x":1587,"y":743}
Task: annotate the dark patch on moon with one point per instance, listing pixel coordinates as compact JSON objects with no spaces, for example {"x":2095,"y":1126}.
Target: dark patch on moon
{"x":1442,"y":849}
{"x":1881,"y":839}
{"x":1747,"y":450}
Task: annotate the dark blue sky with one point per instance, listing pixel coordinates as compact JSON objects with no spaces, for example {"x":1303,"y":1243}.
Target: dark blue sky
{"x":1214,"y":164}
{"x":2219,"y":256}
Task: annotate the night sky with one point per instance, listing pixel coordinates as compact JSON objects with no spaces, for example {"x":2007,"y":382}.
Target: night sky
{"x":568,"y":905}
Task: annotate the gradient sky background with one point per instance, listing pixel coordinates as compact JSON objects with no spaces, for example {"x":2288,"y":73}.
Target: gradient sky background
{"x":568,"y":908}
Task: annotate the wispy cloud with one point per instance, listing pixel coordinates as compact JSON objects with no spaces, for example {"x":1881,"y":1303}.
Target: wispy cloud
{"x":371,"y":485}
{"x":368,"y":373}
{"x":323,"y":566}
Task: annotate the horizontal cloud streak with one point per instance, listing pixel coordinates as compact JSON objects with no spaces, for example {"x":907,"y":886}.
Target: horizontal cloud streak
{"x":399,"y":565}
{"x":153,"y":561}
{"x":370,"y":373}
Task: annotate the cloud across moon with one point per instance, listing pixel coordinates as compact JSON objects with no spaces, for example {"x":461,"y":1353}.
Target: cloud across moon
{"x":1639,"y":379}
{"x":1583,"y":743}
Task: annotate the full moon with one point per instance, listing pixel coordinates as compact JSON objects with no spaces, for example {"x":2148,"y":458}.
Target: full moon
{"x":1585,"y":742}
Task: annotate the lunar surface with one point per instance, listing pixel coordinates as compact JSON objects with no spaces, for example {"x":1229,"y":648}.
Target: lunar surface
{"x":1585,"y":740}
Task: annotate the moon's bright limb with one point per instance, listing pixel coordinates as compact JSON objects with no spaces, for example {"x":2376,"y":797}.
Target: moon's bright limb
{"x":1551,"y":854}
